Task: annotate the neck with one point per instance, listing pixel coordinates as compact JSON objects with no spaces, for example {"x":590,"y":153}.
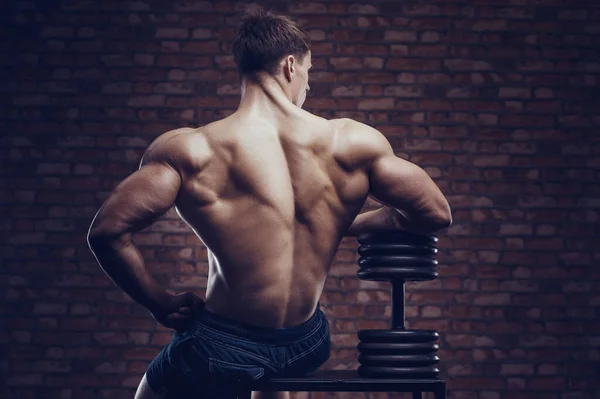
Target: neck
{"x":263,"y":93}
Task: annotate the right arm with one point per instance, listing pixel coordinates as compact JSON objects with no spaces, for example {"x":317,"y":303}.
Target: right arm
{"x":134,"y":204}
{"x":414,"y":202}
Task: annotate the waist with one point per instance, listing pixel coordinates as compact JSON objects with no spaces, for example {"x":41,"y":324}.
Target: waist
{"x":264,"y":302}
{"x":205,"y":319}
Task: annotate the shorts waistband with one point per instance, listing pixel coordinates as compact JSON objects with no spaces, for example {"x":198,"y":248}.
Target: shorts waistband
{"x":281,"y":336}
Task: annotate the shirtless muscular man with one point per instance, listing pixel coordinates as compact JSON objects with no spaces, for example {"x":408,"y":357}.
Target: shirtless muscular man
{"x":271,"y":190}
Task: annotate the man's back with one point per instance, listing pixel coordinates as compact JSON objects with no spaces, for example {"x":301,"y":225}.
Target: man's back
{"x":271,"y":201}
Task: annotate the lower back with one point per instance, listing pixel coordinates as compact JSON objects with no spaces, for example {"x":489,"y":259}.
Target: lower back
{"x":278,"y":305}
{"x":272,"y":278}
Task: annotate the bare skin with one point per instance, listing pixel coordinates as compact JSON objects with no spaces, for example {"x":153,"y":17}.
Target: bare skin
{"x":271,"y":190}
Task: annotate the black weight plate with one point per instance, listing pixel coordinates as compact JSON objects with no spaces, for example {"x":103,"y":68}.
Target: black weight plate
{"x":397,"y":372}
{"x":396,"y":249}
{"x":378,"y":348}
{"x":395,"y":260}
{"x":398,"y":336}
{"x":398,"y":237}
{"x":398,"y":360}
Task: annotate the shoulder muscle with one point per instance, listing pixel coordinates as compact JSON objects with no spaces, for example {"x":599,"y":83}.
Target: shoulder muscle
{"x":361,"y":143}
{"x":181,"y":149}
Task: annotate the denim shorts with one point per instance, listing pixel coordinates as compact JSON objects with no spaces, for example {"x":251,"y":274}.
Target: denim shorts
{"x":215,"y":357}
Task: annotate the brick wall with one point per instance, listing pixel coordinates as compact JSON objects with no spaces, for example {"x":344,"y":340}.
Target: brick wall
{"x":496,"y":99}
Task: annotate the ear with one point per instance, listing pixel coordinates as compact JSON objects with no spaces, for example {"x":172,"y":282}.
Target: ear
{"x":290,"y":67}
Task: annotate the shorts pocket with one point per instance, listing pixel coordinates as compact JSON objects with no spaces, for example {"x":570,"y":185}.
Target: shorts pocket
{"x":234,"y":372}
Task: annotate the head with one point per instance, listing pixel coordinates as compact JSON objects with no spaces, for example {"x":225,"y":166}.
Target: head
{"x":272,"y":44}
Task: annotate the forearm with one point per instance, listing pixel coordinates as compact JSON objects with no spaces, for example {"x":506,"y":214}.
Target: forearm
{"x":423,"y":226}
{"x":124,"y":265}
{"x":387,"y":218}
{"x":378,"y":219}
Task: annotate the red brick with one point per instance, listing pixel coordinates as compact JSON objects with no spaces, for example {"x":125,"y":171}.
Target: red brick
{"x":384,"y":103}
{"x":344,"y":340}
{"x":547,"y":383}
{"x":110,"y":338}
{"x":429,"y":37}
{"x":310,"y":8}
{"x":171,"y":33}
{"x":513,"y":92}
{"x":341,"y":91}
{"x":400,"y":36}
{"x":161,"y":338}
{"x":373,"y":62}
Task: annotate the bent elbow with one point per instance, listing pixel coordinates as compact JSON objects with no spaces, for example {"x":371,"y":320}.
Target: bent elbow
{"x":446,"y":220}
{"x":98,"y":237}
{"x":443,"y":219}
{"x":436,"y":221}
{"x":444,"y":224}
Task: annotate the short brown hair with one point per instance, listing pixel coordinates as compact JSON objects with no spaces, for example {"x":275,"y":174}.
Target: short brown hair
{"x":263,"y":38}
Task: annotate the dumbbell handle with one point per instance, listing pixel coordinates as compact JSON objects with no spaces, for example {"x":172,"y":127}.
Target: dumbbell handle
{"x":398,"y":309}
